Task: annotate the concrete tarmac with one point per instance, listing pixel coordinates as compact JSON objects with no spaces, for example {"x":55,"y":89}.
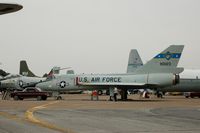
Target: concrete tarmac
{"x":77,"y":114}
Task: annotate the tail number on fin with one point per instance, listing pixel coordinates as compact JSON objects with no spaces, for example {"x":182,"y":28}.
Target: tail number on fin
{"x":24,"y":73}
{"x":165,"y":63}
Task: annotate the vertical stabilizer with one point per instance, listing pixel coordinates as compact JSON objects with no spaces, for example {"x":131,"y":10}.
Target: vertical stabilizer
{"x":165,"y":62}
{"x":54,"y":70}
{"x":24,"y":70}
{"x":134,"y":61}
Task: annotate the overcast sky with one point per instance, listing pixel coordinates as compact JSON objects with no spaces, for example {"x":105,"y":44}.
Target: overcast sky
{"x":95,"y":36}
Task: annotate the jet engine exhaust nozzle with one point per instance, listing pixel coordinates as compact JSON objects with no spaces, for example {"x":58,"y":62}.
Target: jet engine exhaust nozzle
{"x":176,"y":79}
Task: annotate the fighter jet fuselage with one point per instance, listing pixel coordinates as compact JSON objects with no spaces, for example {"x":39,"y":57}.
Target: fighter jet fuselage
{"x":103,"y":81}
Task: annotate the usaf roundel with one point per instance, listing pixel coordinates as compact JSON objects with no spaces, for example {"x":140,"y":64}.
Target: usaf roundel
{"x":62,"y":84}
{"x":21,"y":83}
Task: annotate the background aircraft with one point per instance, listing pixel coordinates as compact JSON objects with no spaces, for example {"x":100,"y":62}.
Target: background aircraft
{"x":12,"y":82}
{"x":6,"y":8}
{"x":22,"y":80}
{"x":159,"y":72}
{"x":189,"y":82}
{"x":189,"y":78}
{"x":25,"y":78}
{"x":134,"y":61}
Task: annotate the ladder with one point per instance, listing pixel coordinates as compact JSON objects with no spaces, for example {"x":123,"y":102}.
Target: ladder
{"x":6,"y":95}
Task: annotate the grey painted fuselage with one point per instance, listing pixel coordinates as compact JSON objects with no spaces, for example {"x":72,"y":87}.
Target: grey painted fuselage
{"x":104,"y":81}
{"x":189,"y":78}
{"x":189,"y":81}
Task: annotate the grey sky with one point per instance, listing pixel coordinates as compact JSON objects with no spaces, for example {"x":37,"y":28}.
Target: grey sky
{"x":95,"y":36}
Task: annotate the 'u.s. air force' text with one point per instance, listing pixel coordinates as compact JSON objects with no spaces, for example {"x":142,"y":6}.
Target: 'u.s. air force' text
{"x":100,"y":79}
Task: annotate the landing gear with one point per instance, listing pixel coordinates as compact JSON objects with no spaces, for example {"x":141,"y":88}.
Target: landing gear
{"x":58,"y":98}
{"x":56,"y":95}
{"x":100,"y":92}
{"x":124,"y":94}
{"x":159,"y":94}
{"x":113,"y":94}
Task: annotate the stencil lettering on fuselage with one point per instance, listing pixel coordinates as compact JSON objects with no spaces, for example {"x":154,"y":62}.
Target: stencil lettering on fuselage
{"x":100,"y":79}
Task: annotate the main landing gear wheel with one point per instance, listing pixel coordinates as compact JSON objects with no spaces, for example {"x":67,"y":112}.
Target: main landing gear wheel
{"x":124,"y":94}
{"x":59,"y":98}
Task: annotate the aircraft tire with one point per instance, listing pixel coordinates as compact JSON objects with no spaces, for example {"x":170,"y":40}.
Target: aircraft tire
{"x":59,"y":98}
{"x":107,"y":92}
{"x":100,"y":92}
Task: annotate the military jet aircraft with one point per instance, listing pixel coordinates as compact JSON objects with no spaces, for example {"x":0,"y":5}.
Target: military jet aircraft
{"x":189,"y":78}
{"x":161,"y":71}
{"x":6,"y":8}
{"x":189,"y":82}
{"x":24,"y":79}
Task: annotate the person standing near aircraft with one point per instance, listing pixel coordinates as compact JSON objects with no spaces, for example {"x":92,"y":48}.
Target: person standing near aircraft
{"x":94,"y":95}
{"x":115,"y":93}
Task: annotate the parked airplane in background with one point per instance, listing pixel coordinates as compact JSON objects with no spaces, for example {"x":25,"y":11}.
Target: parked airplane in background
{"x":189,"y":82}
{"x":134,"y":61}
{"x":189,"y":78}
{"x":159,"y":72}
{"x":26,"y":78}
{"x":6,"y":8}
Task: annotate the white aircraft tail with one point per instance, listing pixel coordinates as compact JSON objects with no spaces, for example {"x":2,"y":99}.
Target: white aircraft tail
{"x":134,"y":61}
{"x":165,"y":62}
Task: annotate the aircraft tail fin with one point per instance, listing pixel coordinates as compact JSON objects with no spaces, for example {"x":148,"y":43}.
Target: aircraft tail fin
{"x":134,"y":61}
{"x":24,"y":70}
{"x":3,"y":73}
{"x":56,"y":70}
{"x":165,"y":62}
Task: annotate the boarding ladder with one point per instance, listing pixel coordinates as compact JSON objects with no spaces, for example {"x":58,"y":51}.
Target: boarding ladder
{"x":6,"y":95}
